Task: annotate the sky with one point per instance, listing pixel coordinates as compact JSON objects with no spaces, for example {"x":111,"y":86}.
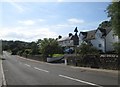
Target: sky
{"x":30,"y":21}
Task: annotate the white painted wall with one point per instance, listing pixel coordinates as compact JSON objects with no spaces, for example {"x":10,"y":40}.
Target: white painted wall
{"x":98,"y":40}
{"x":66,"y":43}
{"x":81,"y":39}
{"x":110,"y":39}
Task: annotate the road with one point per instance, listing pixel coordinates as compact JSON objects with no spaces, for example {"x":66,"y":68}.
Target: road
{"x":19,"y":71}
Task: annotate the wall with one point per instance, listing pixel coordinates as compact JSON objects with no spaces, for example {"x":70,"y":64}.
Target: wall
{"x":66,"y":43}
{"x":80,"y":39}
{"x":98,"y":40}
{"x":110,"y":39}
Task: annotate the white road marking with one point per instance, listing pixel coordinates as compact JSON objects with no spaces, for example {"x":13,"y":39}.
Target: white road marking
{"x":41,"y":69}
{"x":27,"y":65}
{"x":89,"y":83}
{"x":3,"y":76}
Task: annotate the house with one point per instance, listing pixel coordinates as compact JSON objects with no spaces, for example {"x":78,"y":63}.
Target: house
{"x":86,"y":37}
{"x":66,"y":42}
{"x":101,"y":38}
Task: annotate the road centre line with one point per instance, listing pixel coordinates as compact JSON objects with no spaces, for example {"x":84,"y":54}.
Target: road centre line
{"x":89,"y":83}
{"x":41,"y":69}
{"x":27,"y":65}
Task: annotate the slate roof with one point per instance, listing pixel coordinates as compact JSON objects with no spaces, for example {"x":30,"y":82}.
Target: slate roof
{"x":105,"y":31}
{"x":89,"y":35}
{"x":65,"y":38}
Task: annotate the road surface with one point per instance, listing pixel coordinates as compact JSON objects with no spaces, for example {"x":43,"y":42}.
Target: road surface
{"x":19,"y":71}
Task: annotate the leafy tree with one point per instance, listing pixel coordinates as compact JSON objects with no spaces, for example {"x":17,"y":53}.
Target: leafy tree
{"x":117,"y":47}
{"x":113,"y":11}
{"x":34,"y":48}
{"x":85,"y":49}
{"x":48,"y":47}
{"x":105,"y":24}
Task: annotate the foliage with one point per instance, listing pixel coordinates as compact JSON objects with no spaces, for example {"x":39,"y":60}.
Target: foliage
{"x":20,"y":47}
{"x":34,"y":48}
{"x":57,"y":55}
{"x":113,"y":11}
{"x":105,"y":24}
{"x":50,"y":46}
{"x":85,"y":49}
{"x":117,"y":47}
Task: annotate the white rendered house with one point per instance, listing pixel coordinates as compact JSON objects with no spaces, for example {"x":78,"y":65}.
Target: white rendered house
{"x":102,"y":39}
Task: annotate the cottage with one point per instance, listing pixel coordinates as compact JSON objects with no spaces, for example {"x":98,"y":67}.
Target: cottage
{"x":100,"y":38}
{"x":66,"y":42}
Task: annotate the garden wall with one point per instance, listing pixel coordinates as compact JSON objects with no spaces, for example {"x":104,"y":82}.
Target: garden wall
{"x":105,"y":61}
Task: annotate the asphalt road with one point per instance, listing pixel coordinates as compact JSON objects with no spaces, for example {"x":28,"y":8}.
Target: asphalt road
{"x":19,"y":71}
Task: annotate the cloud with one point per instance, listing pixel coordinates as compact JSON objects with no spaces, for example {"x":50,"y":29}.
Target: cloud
{"x":27,"y":22}
{"x":26,"y":33}
{"x":60,"y":0}
{"x":75,"y":21}
{"x":41,"y":20}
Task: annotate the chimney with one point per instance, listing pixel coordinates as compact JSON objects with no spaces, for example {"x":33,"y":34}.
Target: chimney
{"x":70,"y":34}
{"x":59,"y":37}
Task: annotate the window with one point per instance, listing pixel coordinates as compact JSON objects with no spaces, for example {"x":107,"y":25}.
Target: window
{"x":99,"y":45}
{"x":113,"y":36}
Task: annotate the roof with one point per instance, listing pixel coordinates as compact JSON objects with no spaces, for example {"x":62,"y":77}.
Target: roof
{"x":105,"y":31}
{"x":65,"y":38}
{"x":83,"y":33}
{"x":89,"y":35}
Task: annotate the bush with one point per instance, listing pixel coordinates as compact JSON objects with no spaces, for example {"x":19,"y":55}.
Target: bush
{"x":117,"y":47}
{"x":86,"y":49}
{"x":58,"y":55}
{"x":50,"y":46}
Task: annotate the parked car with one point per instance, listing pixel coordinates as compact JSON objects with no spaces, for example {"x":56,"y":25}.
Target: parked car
{"x":69,"y":50}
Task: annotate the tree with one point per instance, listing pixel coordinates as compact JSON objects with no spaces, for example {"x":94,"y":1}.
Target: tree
{"x":117,"y":47}
{"x":34,"y":48}
{"x":85,"y":49}
{"x":113,"y":11}
{"x":105,"y":24}
{"x":48,"y":47}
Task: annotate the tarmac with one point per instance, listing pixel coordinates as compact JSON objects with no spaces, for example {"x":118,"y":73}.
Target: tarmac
{"x":3,"y":82}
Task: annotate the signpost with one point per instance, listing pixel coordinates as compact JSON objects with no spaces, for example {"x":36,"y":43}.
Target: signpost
{"x":76,"y":40}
